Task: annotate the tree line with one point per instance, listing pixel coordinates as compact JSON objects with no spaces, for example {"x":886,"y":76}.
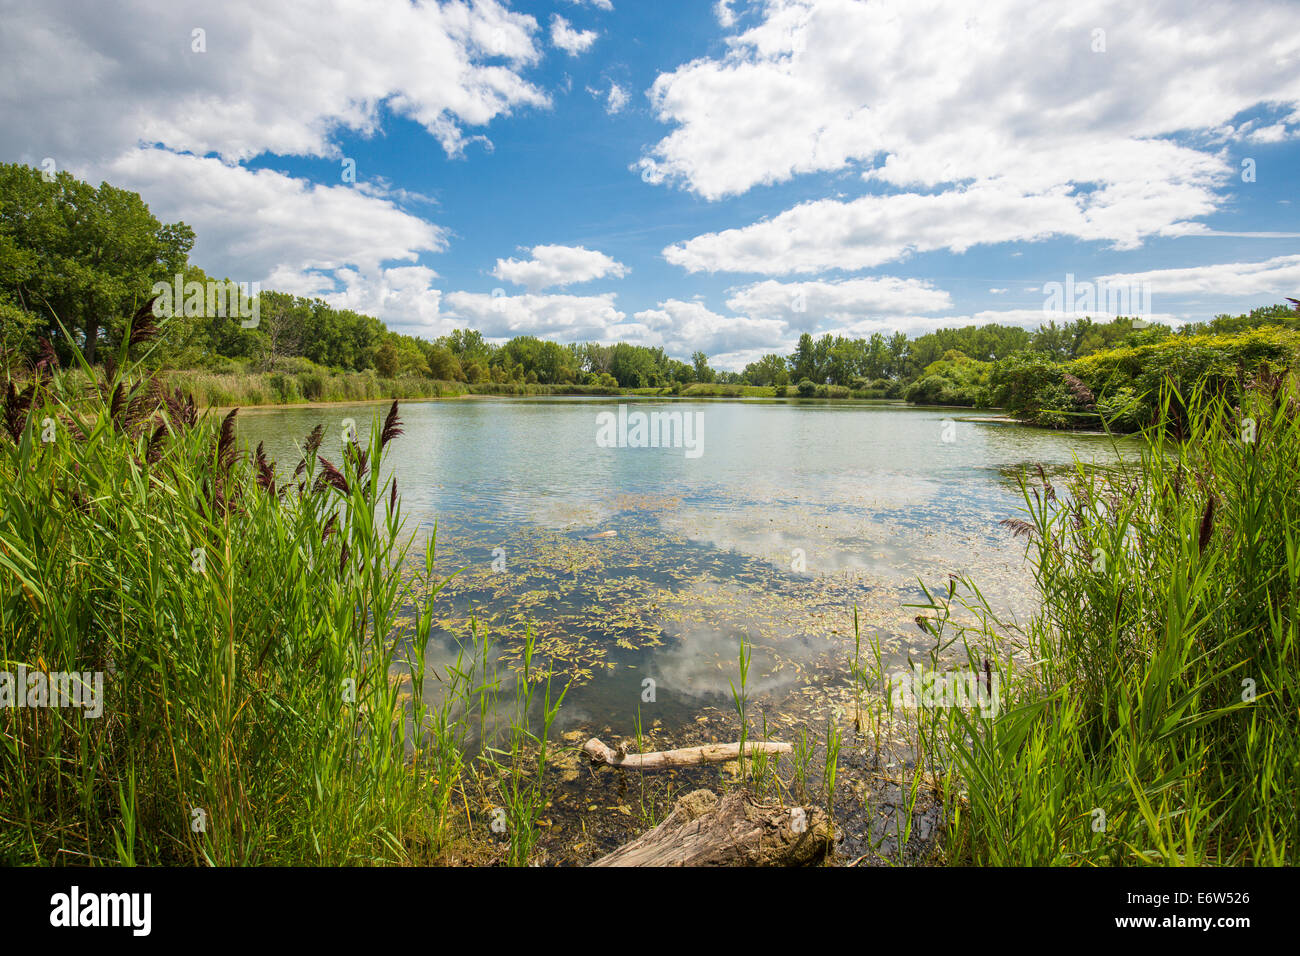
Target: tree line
{"x":83,"y":259}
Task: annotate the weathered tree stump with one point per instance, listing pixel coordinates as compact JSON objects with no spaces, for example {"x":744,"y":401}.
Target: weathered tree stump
{"x":736,"y":830}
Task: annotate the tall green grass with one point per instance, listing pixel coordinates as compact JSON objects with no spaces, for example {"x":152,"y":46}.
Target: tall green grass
{"x":519,"y":769}
{"x":230,"y":389}
{"x":254,"y":626}
{"x":237,"y":388}
{"x":227,"y":390}
{"x":1150,"y":710}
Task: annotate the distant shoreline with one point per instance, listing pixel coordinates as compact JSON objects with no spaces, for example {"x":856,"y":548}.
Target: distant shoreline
{"x":630,"y":396}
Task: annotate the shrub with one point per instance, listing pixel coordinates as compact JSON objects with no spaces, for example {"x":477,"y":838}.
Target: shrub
{"x":312,"y":386}
{"x":1120,"y":387}
{"x":954,"y":379}
{"x":938,"y":390}
{"x":284,"y":387}
{"x":221,"y":365}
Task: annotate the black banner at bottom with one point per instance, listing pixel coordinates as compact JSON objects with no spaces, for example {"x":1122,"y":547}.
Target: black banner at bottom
{"x":332,"y":906}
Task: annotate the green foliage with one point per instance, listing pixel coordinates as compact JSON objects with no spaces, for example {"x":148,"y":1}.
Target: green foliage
{"x":702,"y":372}
{"x":549,"y":363}
{"x":386,"y":360}
{"x":719,"y":390}
{"x":81,"y":255}
{"x":245,"y":625}
{"x":1121,"y":386}
{"x":769,"y":370}
{"x":1147,"y":713}
{"x":443,"y":364}
{"x":258,"y":634}
{"x":1026,"y":384}
{"x":633,"y":366}
{"x":1286,"y":316}
{"x":985,"y":343}
{"x":90,"y":256}
{"x":244,"y":388}
{"x":864,"y":364}
{"x":19,"y":331}
{"x":535,"y":388}
{"x":953,"y":379}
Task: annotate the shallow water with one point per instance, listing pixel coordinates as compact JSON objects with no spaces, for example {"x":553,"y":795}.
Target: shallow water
{"x":792,"y":513}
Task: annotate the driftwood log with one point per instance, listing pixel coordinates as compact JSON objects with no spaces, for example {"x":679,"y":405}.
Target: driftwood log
{"x":735,"y":830}
{"x":686,"y":757}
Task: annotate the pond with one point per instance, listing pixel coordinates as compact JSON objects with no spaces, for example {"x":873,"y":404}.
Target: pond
{"x":640,"y":569}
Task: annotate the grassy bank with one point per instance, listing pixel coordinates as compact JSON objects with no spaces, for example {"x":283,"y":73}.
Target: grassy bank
{"x":247,"y":628}
{"x":322,"y":386}
{"x":805,"y":390}
{"x":245,"y":389}
{"x":1149,"y":709}
{"x":249,"y":389}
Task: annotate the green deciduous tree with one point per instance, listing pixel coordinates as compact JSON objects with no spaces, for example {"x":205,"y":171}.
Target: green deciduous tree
{"x":82,"y":255}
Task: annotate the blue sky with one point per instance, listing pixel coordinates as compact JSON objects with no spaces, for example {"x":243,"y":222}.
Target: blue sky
{"x":688,"y":174}
{"x":559,"y":175}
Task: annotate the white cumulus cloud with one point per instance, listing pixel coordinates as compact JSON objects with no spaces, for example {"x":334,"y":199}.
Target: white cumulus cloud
{"x":839,"y":302}
{"x":253,"y":222}
{"x":682,"y":328}
{"x":1277,"y":276}
{"x":565,"y":318}
{"x":571,"y":41}
{"x":555,"y":265}
{"x":615,"y":99}
{"x":172,"y":99}
{"x":970,"y":125}
{"x":79,"y":82}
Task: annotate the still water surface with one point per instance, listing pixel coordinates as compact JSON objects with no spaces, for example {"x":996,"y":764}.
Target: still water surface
{"x":792,"y":513}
